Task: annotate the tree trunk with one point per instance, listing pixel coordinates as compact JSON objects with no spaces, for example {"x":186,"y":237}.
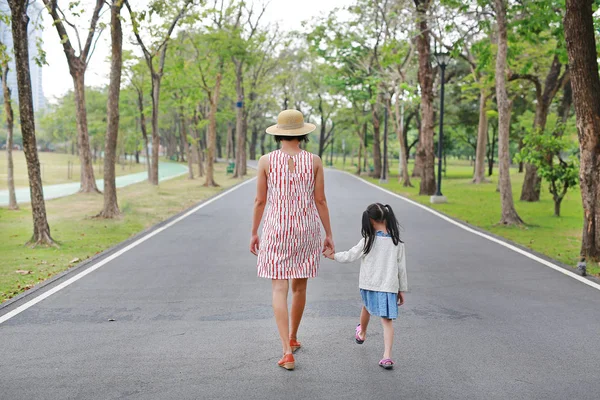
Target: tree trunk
{"x":482,"y":136}
{"x":183,"y":145}
{"x":405,"y":177}
{"x":230,"y":146}
{"x":253,"y":142}
{"x":199,"y":146}
{"x":140,"y":103}
{"x":376,"y":140}
{"x":564,"y":109}
{"x":19,"y":22}
{"x":155,"y":132}
{"x":492,"y":151}
{"x":111,"y":206}
{"x":521,"y":163}
{"x":531,"y":184}
{"x":263,"y":149}
{"x":88,"y":181}
{"x":186,"y":145}
{"x":509,"y":214}
{"x":8,"y":110}
{"x":583,"y":65}
{"x":557,"y":203}
{"x":426,"y":155}
{"x":212,"y":135}
{"x":240,"y":124}
{"x":322,"y":128}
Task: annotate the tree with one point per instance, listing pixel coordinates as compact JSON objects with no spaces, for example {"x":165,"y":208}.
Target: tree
{"x":138,"y":81}
{"x":425,"y":151}
{"x":244,"y":49}
{"x":509,"y":214}
{"x":111,"y":205}
{"x":538,"y":35}
{"x":9,"y":115}
{"x":544,"y":93}
{"x":155,"y":56}
{"x":77,"y":67}
{"x":560,"y":173}
{"x":583,"y":64}
{"x":210,"y":61}
{"x":19,"y":23}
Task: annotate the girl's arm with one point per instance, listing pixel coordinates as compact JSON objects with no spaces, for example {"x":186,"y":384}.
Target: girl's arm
{"x":321,"y":202}
{"x":402,"y":269}
{"x":260,"y":202}
{"x":351,"y":255}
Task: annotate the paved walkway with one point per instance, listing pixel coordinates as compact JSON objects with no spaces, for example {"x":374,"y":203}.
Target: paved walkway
{"x":192,"y":320}
{"x":165,"y":171}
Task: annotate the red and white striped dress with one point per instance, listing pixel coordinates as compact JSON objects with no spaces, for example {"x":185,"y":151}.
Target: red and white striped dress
{"x":290,"y":247}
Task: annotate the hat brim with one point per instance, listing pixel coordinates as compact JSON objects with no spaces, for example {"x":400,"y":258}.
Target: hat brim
{"x":307,"y":128}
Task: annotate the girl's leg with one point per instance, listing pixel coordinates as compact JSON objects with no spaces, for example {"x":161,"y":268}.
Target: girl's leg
{"x":280,"y":309}
{"x":365,"y":317}
{"x":298,"y":303}
{"x":388,"y":337}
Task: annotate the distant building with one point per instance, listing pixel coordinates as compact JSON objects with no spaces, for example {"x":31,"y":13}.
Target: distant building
{"x":35,"y":33}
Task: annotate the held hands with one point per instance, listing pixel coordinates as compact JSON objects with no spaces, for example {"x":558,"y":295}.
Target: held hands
{"x":400,"y":298}
{"x":329,"y":253}
{"x":328,"y":247}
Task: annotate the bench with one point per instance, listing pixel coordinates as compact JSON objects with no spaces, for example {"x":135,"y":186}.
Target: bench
{"x":230,"y":168}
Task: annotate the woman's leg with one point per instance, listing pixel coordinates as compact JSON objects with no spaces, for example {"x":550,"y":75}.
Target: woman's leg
{"x":298,"y":303}
{"x":365,"y":317}
{"x":280,"y":309}
{"x":388,"y":337}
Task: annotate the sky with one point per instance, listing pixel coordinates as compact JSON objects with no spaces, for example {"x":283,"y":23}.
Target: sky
{"x":57,"y":81}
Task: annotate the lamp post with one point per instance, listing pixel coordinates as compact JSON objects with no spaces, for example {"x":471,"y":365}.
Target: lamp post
{"x":384,"y":170}
{"x":442,"y":60}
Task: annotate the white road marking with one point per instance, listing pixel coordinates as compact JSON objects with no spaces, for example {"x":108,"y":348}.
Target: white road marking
{"x":108,"y":259}
{"x":485,"y":236}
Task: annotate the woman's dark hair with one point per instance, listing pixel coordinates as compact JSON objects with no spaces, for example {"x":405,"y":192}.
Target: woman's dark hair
{"x":380,"y":213}
{"x":301,"y":139}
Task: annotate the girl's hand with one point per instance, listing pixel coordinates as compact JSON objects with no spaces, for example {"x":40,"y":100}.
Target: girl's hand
{"x":400,"y":298}
{"x":254,"y":244}
{"x":329,"y":253}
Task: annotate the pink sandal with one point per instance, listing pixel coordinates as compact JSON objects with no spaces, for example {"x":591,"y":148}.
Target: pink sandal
{"x":386,"y":363}
{"x":357,"y":337}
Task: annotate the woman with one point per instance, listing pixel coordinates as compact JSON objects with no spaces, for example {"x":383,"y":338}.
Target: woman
{"x":291,"y":181}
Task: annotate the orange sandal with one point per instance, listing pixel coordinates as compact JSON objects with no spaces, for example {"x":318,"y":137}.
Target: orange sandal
{"x":287,"y":362}
{"x":295,"y":345}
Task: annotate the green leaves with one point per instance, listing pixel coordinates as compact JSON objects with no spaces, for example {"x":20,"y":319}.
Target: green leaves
{"x":555,"y":158}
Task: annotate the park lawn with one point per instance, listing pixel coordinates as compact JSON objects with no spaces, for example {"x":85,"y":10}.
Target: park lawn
{"x":479,"y":205}
{"x":81,"y":236}
{"x":54,"y":167}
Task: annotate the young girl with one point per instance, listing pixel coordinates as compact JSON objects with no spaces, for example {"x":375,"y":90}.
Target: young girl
{"x":382,"y":279}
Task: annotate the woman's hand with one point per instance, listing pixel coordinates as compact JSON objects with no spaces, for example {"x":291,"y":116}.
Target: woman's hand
{"x":328,"y":244}
{"x":254,"y":244}
{"x":400,"y":298}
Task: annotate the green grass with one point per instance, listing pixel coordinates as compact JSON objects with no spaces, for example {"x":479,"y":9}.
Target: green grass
{"x":81,"y":236}
{"x":54,"y":167}
{"x":479,"y":205}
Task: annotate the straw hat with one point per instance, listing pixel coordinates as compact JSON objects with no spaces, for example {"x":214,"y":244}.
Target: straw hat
{"x":290,"y":123}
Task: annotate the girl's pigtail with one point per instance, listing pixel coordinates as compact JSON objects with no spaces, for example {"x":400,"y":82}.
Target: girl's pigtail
{"x":392,"y":225}
{"x":367,"y":232}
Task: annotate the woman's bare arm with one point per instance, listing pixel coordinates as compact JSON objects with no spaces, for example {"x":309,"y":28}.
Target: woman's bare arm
{"x":259,"y":202}
{"x":321,"y":201}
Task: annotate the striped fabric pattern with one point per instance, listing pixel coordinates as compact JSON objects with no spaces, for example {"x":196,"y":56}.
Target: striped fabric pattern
{"x":290,"y":246}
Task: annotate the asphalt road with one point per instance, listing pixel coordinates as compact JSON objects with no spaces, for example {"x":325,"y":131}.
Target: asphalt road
{"x":192,"y":321}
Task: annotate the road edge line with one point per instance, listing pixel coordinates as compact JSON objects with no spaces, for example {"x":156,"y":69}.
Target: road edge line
{"x":158,"y":228}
